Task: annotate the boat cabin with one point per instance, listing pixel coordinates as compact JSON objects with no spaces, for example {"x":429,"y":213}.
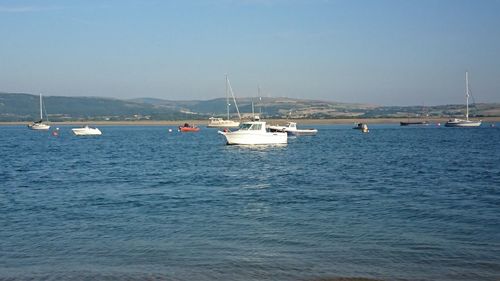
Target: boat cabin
{"x":291,"y":125}
{"x":253,"y":126}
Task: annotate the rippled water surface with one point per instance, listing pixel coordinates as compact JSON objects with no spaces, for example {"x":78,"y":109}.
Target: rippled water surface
{"x":140,"y":203}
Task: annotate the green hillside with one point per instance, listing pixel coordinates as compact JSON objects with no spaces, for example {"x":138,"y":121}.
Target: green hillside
{"x":25,"y":107}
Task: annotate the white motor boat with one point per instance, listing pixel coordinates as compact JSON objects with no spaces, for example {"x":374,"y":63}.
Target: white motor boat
{"x":39,"y":125}
{"x":460,"y":122}
{"x":254,"y":132}
{"x":86,"y":131}
{"x":291,"y":129}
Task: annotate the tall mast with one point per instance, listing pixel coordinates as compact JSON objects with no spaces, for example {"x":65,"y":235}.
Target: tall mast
{"x":467,"y":95}
{"x":41,"y":116}
{"x":260,"y":100}
{"x":234,"y":99}
{"x":227,"y":100}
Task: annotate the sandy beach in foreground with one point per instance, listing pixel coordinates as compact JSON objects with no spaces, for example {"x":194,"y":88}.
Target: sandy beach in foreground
{"x":269,"y":121}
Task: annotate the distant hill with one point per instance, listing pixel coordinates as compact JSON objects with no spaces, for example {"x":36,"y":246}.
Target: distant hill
{"x":301,"y":108}
{"x":25,"y":107}
{"x":269,"y":107}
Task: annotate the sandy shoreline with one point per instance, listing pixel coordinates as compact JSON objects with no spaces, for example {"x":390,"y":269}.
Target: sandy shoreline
{"x":270,"y":121}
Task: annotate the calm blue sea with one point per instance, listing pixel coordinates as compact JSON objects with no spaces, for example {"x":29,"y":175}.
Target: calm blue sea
{"x":140,"y":203}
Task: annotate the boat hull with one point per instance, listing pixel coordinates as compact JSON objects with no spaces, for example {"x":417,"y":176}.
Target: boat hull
{"x":463,"y":123}
{"x":86,"y":132}
{"x":360,"y":126}
{"x":225,"y":124}
{"x":291,"y":130}
{"x":39,"y":127}
{"x":188,"y":129}
{"x":302,"y":132}
{"x":413,"y":123}
{"x":244,"y":138}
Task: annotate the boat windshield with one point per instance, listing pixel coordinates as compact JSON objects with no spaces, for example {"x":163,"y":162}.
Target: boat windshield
{"x":256,"y":127}
{"x":245,"y":126}
{"x":250,"y":126}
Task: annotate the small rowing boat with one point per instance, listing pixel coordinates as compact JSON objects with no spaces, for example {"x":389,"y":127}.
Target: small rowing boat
{"x":188,"y":128}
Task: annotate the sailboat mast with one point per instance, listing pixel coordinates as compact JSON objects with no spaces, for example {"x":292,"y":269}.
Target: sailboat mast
{"x":260,"y":100}
{"x":234,"y":99}
{"x":41,"y":116}
{"x":227,"y":100}
{"x":467,"y":95}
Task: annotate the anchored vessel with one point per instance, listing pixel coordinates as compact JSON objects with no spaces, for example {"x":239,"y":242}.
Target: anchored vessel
{"x":188,"y":128}
{"x":362,"y":127}
{"x":39,"y":125}
{"x":216,"y":122}
{"x":408,"y":123}
{"x":86,"y":131}
{"x":460,"y":122}
{"x":291,"y":129}
{"x":254,"y":132}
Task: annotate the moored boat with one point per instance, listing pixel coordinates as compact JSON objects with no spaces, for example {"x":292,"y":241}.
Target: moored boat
{"x":86,"y":131}
{"x":291,"y":129}
{"x":361,"y":126}
{"x":413,"y":123}
{"x":188,"y":128}
{"x":39,"y":125}
{"x":455,"y":122}
{"x":217,"y":122}
{"x":254,"y":133}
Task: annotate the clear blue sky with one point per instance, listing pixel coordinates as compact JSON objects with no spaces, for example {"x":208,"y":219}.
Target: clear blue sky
{"x":394,"y":52}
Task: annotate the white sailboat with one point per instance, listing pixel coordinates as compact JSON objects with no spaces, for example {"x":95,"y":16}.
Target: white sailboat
{"x":216,"y":122}
{"x":460,"y":122}
{"x":39,"y":125}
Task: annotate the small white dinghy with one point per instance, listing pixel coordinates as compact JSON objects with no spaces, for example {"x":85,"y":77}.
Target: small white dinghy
{"x":86,"y":131}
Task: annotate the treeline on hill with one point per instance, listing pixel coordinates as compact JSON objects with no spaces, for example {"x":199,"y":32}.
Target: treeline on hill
{"x":25,"y":107}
